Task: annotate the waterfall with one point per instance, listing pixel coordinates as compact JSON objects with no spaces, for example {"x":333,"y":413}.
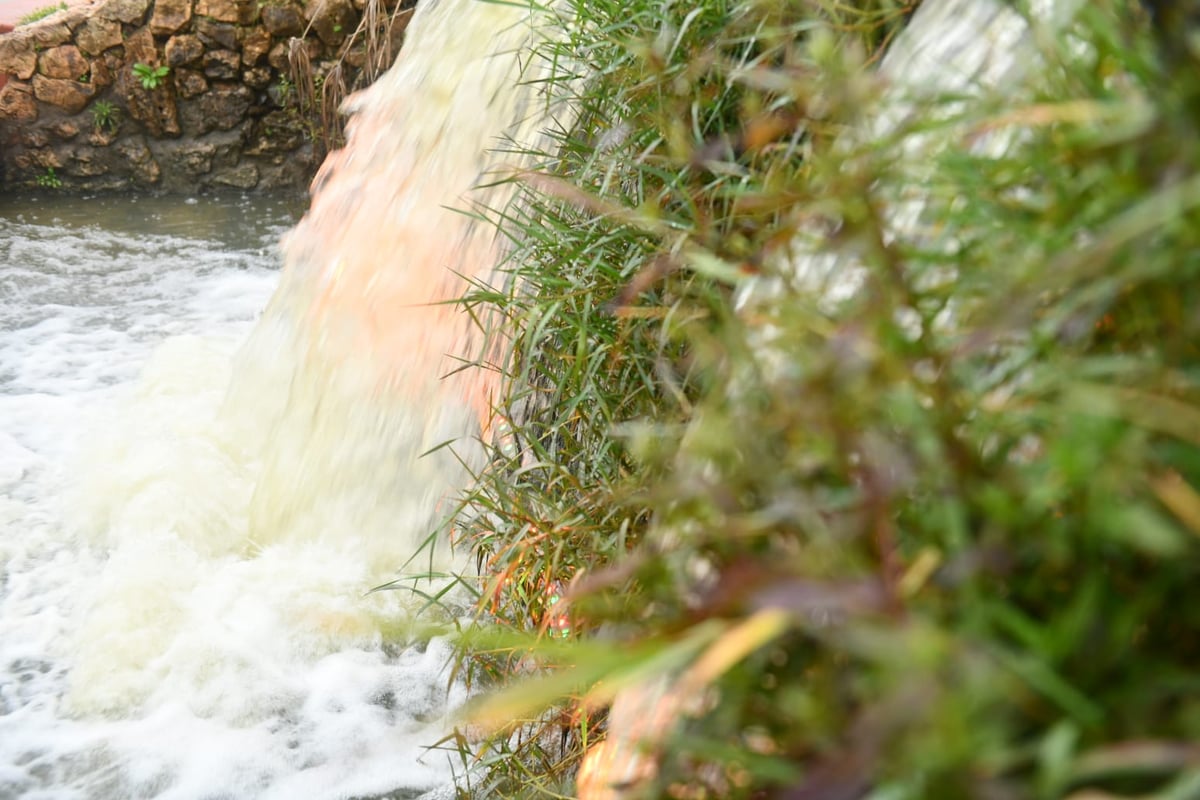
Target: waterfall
{"x":226,"y":518}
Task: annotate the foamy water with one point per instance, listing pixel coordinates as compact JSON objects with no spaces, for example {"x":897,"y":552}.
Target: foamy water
{"x":195,"y":499}
{"x":164,"y":633}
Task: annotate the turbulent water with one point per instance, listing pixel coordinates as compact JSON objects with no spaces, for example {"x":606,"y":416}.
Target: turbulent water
{"x":206,"y":463}
{"x":149,"y":647}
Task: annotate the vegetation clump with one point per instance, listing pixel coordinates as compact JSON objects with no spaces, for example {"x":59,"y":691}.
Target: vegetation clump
{"x":41,"y":13}
{"x":49,"y":179}
{"x":106,"y":116}
{"x":149,"y":76}
{"x":924,"y":526}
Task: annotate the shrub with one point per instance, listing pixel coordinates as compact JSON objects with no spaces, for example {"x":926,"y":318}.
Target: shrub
{"x":932,"y":537}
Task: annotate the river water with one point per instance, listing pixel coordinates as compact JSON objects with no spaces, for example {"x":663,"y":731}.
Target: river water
{"x":159,"y":637}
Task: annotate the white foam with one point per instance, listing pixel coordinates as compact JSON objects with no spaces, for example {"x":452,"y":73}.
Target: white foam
{"x":153,"y":642}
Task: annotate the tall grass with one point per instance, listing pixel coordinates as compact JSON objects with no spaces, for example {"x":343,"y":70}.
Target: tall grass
{"x":935,"y":537}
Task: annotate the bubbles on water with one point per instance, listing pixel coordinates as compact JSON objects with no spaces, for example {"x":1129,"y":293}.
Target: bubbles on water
{"x":151,"y":643}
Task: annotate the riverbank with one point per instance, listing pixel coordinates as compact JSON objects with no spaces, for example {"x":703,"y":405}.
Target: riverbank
{"x":179,"y":95}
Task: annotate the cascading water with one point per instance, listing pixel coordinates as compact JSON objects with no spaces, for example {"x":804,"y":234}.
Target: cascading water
{"x":183,"y":606}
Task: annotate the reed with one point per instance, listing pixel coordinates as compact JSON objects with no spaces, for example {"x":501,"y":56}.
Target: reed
{"x":932,"y":537}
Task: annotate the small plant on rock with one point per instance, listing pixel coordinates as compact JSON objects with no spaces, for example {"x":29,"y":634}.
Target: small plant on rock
{"x":49,"y":180}
{"x":106,"y":116}
{"x":151,"y":77}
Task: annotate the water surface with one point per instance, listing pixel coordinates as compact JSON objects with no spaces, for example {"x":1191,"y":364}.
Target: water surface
{"x":150,"y":645}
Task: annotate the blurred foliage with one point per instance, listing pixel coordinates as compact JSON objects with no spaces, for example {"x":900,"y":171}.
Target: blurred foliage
{"x":966,"y":485}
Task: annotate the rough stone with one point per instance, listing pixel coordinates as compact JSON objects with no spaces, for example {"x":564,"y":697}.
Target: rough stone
{"x":256,"y":43}
{"x":139,"y":48}
{"x":137,"y":155}
{"x":333,"y":20}
{"x":154,"y":108}
{"x":97,"y":35}
{"x":279,"y":95}
{"x":282,"y":20}
{"x":170,"y":16}
{"x":217,"y":34}
{"x":86,"y":162}
{"x":64,"y":61}
{"x":248,"y":13}
{"x":243,"y":176}
{"x":45,"y":159}
{"x":17,"y":58}
{"x":355,"y":57}
{"x":221,"y":10}
{"x":49,"y":35}
{"x":102,"y":137}
{"x":71,"y":96}
{"x":182,"y":50}
{"x":278,"y":57}
{"x":65,"y":129}
{"x":36,"y":138}
{"x":101,"y":73}
{"x":277,"y":133}
{"x":128,"y":11}
{"x":257,"y":77}
{"x":192,"y":158}
{"x":221,"y":64}
{"x":75,"y":16}
{"x":222,"y":107}
{"x":17,"y":103}
{"x":189,"y":83}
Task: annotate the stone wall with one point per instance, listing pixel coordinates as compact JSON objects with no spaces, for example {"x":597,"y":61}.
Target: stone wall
{"x":75,"y":114}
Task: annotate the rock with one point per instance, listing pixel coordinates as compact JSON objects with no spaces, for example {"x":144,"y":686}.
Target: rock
{"x":282,"y":20}
{"x":74,"y":17}
{"x":355,"y":57}
{"x":35,"y":138}
{"x":189,"y":83}
{"x":222,"y":64}
{"x":257,"y":77}
{"x":49,"y":35}
{"x":154,"y":108}
{"x":17,"y":103}
{"x":225,"y":106}
{"x":72,"y":96}
{"x":102,"y":137}
{"x":256,"y":43}
{"x":277,"y":133}
{"x":137,"y":155}
{"x":44,"y":159}
{"x":192,"y":158}
{"x":278,"y":57}
{"x":128,"y":11}
{"x":17,"y":57}
{"x":248,"y":13}
{"x":182,"y":50}
{"x":97,"y":35}
{"x":217,"y":34}
{"x":333,"y":20}
{"x":86,"y":162}
{"x":64,"y":61}
{"x":139,"y":48}
{"x":101,"y":73}
{"x":65,"y":129}
{"x":243,"y":176}
{"x":170,"y":16}
{"x":221,"y":10}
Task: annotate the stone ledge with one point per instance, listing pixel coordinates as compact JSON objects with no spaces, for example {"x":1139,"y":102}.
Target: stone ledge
{"x":71,"y":99}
